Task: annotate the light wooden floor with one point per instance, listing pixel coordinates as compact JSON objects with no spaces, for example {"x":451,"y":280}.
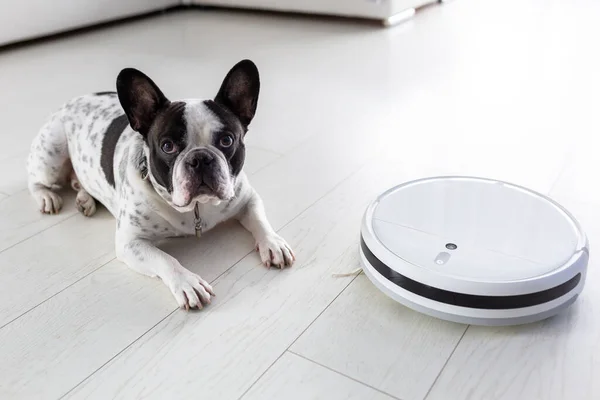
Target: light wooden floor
{"x":503,"y":89}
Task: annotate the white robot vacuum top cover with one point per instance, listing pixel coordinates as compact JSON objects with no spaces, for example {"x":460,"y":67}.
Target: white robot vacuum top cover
{"x":474,"y":250}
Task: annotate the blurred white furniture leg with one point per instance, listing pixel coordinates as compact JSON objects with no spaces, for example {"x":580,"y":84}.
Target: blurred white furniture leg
{"x":400,"y":17}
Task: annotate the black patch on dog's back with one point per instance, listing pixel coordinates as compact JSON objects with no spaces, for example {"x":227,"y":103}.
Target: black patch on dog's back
{"x":105,"y":94}
{"x":113,"y":133}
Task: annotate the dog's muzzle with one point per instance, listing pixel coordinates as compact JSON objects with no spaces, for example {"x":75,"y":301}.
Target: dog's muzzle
{"x":203,"y":174}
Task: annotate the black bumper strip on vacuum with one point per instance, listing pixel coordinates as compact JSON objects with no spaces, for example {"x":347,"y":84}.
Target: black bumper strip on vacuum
{"x":469,"y":300}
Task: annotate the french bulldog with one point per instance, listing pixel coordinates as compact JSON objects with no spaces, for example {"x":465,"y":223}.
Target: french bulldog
{"x":162,"y":168}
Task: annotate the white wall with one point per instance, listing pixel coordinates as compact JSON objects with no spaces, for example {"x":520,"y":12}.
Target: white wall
{"x":25,"y":19}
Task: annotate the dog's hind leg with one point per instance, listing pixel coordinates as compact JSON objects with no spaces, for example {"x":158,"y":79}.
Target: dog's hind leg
{"x":48,"y":165}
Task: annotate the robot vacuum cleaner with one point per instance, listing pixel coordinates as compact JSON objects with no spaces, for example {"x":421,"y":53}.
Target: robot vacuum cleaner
{"x":474,"y":251}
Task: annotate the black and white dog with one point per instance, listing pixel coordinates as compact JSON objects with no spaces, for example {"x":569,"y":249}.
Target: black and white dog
{"x":162,"y":168}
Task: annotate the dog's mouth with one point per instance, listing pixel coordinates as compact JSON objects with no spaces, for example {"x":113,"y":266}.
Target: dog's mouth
{"x":185,"y":200}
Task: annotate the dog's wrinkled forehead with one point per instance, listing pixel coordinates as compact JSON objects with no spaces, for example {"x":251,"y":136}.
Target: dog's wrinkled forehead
{"x":201,"y":123}
{"x":204,"y":118}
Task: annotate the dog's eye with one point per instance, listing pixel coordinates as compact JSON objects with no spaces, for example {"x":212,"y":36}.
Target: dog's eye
{"x":168,"y":147}
{"x":226,"y":141}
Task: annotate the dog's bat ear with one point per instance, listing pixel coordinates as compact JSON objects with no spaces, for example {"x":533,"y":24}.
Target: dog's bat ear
{"x":140,"y":98}
{"x":239,"y":91}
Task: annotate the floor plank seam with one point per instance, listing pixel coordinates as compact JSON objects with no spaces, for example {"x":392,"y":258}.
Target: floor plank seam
{"x":12,"y":194}
{"x":117,"y":354}
{"x":260,"y":376}
{"x":302,"y":143}
{"x":55,"y":294}
{"x":297,"y":337}
{"x":446,"y":363}
{"x":322,"y":311}
{"x":266,"y":165}
{"x":38,"y":232}
{"x":252,"y":146}
{"x":344,"y":375}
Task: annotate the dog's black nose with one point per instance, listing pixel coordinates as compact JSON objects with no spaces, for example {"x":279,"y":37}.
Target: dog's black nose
{"x":199,"y":159}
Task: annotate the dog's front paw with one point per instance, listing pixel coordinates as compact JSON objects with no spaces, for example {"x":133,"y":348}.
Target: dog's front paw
{"x":48,"y":201}
{"x":274,"y":250}
{"x":189,"y":289}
